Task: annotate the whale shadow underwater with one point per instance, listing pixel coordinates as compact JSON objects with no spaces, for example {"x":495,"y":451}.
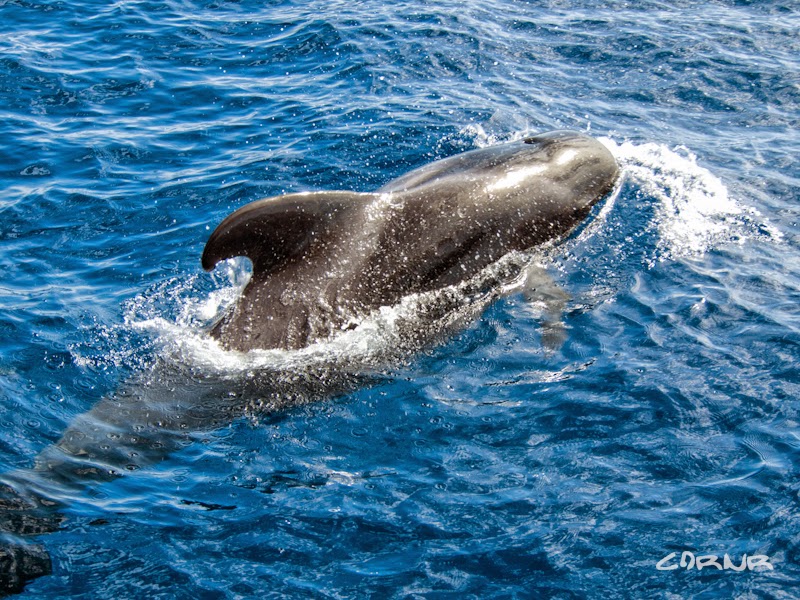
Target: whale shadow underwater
{"x":322,"y":263}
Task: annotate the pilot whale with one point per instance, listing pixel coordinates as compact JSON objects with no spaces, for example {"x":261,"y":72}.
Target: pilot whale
{"x":322,"y":260}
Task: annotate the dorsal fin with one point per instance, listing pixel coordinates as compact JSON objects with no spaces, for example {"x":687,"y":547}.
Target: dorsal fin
{"x":273,"y":231}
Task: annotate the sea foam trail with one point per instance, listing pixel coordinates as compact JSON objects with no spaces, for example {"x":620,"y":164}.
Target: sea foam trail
{"x":695,"y":211}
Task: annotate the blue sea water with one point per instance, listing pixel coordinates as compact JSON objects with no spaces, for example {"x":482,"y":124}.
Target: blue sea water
{"x":489,"y":466}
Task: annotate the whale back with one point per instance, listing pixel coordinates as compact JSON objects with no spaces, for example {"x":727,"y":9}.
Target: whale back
{"x":322,"y":258}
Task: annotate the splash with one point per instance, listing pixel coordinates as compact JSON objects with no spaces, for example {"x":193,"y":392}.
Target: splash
{"x":176,"y":315}
{"x":476,"y":136}
{"x":694,"y":212}
{"x":172,"y":318}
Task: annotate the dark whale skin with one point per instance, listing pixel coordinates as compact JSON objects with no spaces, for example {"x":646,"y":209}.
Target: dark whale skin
{"x":321,"y":259}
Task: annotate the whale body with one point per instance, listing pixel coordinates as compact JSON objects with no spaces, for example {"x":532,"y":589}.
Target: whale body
{"x":319,"y":260}
{"x":323,"y":259}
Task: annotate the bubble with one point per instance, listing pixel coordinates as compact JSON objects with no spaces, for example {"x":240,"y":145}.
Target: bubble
{"x":695,"y":211}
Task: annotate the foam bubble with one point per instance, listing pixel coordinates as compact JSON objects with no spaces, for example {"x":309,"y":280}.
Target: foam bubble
{"x":695,"y":211}
{"x":178,"y":313}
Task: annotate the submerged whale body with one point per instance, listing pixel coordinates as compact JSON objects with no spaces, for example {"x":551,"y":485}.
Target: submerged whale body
{"x":321,"y":260}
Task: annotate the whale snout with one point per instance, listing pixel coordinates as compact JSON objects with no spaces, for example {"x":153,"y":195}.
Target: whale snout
{"x":581,"y":164}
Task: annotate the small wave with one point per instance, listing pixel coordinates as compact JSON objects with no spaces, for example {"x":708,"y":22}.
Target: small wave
{"x":695,"y":211}
{"x":178,"y":313}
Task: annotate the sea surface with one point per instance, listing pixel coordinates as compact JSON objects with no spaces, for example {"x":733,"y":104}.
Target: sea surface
{"x":494,"y":463}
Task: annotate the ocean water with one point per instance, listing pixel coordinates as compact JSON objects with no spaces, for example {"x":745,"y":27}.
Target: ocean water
{"x":492,"y":464}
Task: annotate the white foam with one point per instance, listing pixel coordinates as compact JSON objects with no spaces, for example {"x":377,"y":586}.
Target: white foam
{"x":695,"y":211}
{"x":177,"y":314}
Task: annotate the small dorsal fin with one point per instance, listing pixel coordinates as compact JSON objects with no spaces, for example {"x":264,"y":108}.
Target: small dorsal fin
{"x":273,"y":231}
